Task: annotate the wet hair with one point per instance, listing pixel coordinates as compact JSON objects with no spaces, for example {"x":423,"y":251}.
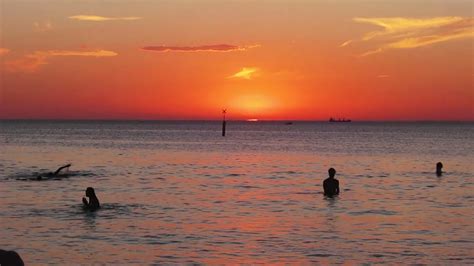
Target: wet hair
{"x":332,"y":172}
{"x":439,"y":165}
{"x":90,"y":191}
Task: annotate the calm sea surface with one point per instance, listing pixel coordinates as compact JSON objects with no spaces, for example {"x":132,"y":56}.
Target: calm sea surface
{"x":178,"y":192}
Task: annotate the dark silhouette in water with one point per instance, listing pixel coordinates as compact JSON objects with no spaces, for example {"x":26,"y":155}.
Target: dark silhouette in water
{"x":10,"y":258}
{"x":439,"y":169}
{"x":93,"y":203}
{"x":330,"y":184}
{"x":53,"y":174}
{"x":224,"y":111}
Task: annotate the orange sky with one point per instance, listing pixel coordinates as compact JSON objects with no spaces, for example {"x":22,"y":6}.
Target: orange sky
{"x":282,"y":59}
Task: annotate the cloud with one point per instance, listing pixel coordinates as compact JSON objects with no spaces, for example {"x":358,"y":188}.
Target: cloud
{"x":203,"y":48}
{"x":346,"y":43}
{"x":96,"y":53}
{"x":407,"y":33}
{"x":42,"y":26}
{"x":246,"y":73}
{"x":382,"y":76}
{"x":31,"y":62}
{"x":100,"y":18}
{"x":4,"y":51}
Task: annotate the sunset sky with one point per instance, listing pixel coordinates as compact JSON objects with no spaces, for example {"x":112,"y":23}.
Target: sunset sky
{"x":281,"y":59}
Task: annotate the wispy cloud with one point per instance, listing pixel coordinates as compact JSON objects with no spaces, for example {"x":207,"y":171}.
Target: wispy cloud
{"x":42,"y":26}
{"x":246,"y":73}
{"x":202,"y":48}
{"x":346,"y":43}
{"x":101,"y":18}
{"x":4,"y":51}
{"x":31,"y":62}
{"x":382,"y":76}
{"x":406,"y":33}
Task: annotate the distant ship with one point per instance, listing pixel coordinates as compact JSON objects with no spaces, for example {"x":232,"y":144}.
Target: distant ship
{"x":339,"y":120}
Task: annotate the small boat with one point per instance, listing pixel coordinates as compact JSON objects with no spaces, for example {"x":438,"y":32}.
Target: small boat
{"x":339,"y":120}
{"x":289,"y":123}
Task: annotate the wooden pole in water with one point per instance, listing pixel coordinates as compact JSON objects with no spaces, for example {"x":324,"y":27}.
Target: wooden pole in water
{"x":223,"y":122}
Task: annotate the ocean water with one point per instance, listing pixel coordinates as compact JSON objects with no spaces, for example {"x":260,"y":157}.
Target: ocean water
{"x":179,"y":193}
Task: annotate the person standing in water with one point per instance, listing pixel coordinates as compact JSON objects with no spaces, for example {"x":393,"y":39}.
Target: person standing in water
{"x":93,"y":203}
{"x":331,"y":185}
{"x":439,"y":169}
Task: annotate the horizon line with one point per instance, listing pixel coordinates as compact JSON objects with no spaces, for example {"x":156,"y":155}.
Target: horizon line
{"x":220,"y":120}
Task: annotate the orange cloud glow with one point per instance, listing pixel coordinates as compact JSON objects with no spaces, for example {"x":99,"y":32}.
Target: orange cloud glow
{"x":203,"y":48}
{"x":101,"y":18}
{"x":405,"y":33}
{"x":31,"y":62}
{"x":246,"y":73}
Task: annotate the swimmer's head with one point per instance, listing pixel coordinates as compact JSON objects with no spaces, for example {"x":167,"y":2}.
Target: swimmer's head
{"x":332,"y":172}
{"x":439,"y":165}
{"x":90,"y":192}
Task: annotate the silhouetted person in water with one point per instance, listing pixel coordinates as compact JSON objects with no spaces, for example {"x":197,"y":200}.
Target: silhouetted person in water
{"x":331,"y":185}
{"x":439,"y":169}
{"x":93,"y":203}
{"x":10,"y":258}
{"x":51,"y":174}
